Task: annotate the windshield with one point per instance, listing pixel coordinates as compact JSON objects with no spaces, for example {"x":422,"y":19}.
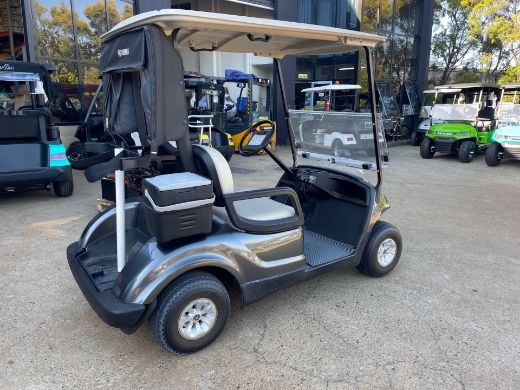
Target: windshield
{"x":509,"y":115}
{"x":389,"y":105}
{"x":15,"y":89}
{"x":455,"y":112}
{"x":337,"y":140}
{"x":412,"y":101}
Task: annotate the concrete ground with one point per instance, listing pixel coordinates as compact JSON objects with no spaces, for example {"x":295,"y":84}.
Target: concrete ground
{"x":447,"y":317}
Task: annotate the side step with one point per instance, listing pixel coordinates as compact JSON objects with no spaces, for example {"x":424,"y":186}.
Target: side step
{"x":321,"y":250}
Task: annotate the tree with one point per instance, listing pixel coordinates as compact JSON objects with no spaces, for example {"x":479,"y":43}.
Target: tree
{"x":496,"y":24}
{"x":451,"y":45}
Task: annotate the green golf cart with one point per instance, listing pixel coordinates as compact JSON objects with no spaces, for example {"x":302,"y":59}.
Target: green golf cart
{"x":469,"y":120}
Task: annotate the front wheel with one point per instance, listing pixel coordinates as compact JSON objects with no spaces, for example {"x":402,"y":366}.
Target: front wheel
{"x":493,"y":154}
{"x":427,"y":148}
{"x":467,"y":151}
{"x":415,"y":139}
{"x":382,"y":251}
{"x":63,"y":188}
{"x":191,"y":313}
{"x":337,"y":148}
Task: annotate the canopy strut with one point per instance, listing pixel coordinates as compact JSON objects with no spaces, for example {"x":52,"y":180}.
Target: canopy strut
{"x":286,"y":110}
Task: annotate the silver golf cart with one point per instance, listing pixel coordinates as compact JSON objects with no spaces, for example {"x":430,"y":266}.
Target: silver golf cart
{"x":167,"y":257}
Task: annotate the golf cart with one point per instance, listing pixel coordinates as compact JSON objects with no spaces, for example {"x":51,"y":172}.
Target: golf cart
{"x":338,"y":133}
{"x":252,"y":107}
{"x":394,"y":125}
{"x":506,"y":138}
{"x":468,"y":113}
{"x":206,"y":114}
{"x":424,"y":116}
{"x":166,"y":257}
{"x":31,"y":153}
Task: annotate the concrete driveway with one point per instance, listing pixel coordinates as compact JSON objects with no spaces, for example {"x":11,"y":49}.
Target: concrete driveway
{"x":447,"y":317}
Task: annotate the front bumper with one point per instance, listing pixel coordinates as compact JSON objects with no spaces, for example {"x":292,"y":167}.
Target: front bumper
{"x":35,"y":176}
{"x":110,"y":309}
{"x":443,"y":145}
{"x":511,"y":151}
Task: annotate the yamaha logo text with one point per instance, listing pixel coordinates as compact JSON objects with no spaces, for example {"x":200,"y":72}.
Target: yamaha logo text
{"x":123,"y":52}
{"x":6,"y":67}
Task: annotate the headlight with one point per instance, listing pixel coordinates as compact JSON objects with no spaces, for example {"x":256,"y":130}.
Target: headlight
{"x":430,"y":132}
{"x":498,"y":135}
{"x":464,"y":133}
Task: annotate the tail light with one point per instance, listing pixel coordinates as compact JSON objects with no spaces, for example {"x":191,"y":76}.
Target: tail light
{"x":58,"y":156}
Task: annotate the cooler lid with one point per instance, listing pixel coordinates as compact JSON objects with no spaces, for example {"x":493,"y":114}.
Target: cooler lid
{"x":175,"y":181}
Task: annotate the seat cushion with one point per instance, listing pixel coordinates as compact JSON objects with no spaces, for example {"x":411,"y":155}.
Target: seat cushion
{"x":258,"y":209}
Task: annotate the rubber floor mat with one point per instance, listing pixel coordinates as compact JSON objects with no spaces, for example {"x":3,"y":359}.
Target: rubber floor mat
{"x":320,"y":250}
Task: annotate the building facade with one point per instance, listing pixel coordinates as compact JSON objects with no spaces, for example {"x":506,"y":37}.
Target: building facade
{"x":67,"y":33}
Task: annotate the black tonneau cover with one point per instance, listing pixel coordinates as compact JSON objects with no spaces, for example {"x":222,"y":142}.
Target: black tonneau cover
{"x":144,"y":86}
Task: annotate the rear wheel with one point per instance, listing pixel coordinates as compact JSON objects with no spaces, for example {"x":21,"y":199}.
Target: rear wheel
{"x":427,"y":148}
{"x":415,"y":139}
{"x":337,"y":148}
{"x":63,"y":188}
{"x":493,"y":154}
{"x":191,"y":313}
{"x":467,"y":151}
{"x":382,"y":251}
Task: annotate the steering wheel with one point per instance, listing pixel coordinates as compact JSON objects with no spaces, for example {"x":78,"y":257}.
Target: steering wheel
{"x":263,"y":134}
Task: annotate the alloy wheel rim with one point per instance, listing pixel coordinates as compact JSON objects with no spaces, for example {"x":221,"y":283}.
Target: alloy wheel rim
{"x":197,"y":319}
{"x":386,"y":252}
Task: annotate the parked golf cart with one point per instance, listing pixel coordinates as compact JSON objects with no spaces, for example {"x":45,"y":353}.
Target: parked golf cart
{"x":506,"y":138}
{"x":469,"y":120}
{"x":395,"y":128}
{"x":253,"y":104}
{"x":167,"y":257}
{"x":338,"y":133}
{"x":424,"y":115}
{"x":31,"y":153}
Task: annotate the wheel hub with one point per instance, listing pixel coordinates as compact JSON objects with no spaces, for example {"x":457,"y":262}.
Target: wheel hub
{"x":386,"y":252}
{"x":197,"y":319}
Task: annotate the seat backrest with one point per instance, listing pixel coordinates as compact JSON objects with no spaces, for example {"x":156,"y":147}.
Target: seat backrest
{"x":212,"y":164}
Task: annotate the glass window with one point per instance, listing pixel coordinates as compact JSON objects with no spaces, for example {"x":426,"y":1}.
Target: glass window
{"x":346,"y":16}
{"x":54,"y":31}
{"x":346,"y":66}
{"x":370,"y":15}
{"x":118,"y":10}
{"x":325,"y":67}
{"x":306,"y":11}
{"x":399,"y":57}
{"x":91,"y":82}
{"x":386,"y":15}
{"x":186,"y":6}
{"x":305,"y":68}
{"x":383,"y":59}
{"x":402,"y":17}
{"x":412,"y":65}
{"x":91,"y":22}
{"x":66,"y":104}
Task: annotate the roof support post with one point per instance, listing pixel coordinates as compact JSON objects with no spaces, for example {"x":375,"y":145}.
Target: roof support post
{"x":375,"y":122}
{"x":286,"y":110}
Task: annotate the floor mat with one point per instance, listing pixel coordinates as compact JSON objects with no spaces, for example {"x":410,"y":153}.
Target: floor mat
{"x":321,"y":250}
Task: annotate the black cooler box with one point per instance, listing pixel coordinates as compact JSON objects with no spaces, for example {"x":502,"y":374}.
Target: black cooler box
{"x":178,"y":205}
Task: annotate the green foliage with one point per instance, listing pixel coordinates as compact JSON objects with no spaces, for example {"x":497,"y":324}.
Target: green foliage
{"x":511,"y":75}
{"x":468,"y":76}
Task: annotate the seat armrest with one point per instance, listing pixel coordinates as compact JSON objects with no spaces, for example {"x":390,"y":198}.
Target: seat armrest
{"x":264,"y":227}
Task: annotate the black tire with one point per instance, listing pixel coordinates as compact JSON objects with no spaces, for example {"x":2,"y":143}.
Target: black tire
{"x":427,"y":148}
{"x":173,"y":300}
{"x":415,"y":139}
{"x":369,"y":264}
{"x":467,"y":151}
{"x":63,"y":188}
{"x":337,"y":148}
{"x":493,"y":154}
{"x":228,"y":157}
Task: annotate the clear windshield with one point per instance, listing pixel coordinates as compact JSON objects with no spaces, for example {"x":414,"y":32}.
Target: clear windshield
{"x":389,"y":105}
{"x":455,"y":112}
{"x":414,"y":102}
{"x":337,"y":140}
{"x":509,"y":115}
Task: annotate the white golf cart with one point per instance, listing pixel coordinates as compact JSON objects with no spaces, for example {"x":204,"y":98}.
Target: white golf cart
{"x":424,"y":115}
{"x":339,"y":133}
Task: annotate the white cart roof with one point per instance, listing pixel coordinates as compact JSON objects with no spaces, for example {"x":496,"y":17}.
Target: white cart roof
{"x":332,"y":87}
{"x":236,"y":34}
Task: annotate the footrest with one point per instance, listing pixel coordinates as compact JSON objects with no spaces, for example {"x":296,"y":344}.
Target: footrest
{"x":320,"y":250}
